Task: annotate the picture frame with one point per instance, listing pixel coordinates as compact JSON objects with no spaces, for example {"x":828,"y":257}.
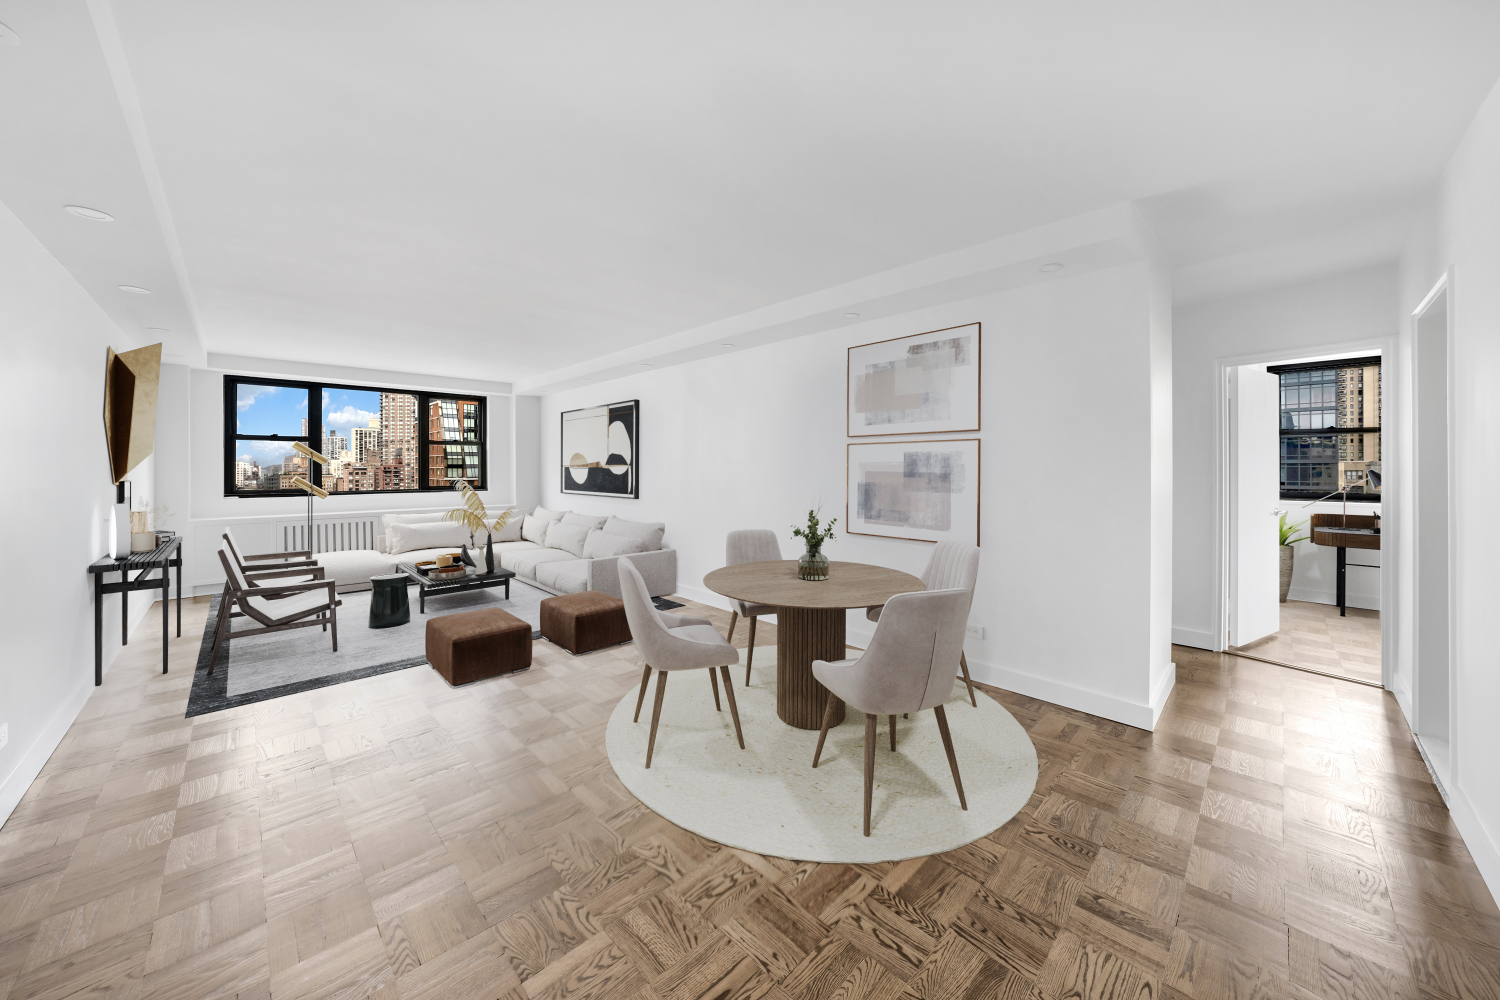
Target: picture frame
{"x":924,"y":490}
{"x":600,"y":450}
{"x":924,"y":383}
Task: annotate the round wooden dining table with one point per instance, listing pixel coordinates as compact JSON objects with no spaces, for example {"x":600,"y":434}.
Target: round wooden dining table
{"x":810,"y":621}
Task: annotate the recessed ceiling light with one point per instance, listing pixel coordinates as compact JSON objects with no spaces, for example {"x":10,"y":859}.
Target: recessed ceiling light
{"x":1049,"y":268}
{"x":851,"y":315}
{"x":137,"y":289}
{"x":89,"y":213}
{"x":157,"y":329}
{"x":645,"y":365}
{"x":8,"y":37}
{"x":588,"y":380}
{"x":726,"y":346}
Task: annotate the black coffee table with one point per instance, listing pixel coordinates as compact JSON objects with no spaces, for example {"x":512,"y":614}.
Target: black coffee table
{"x":469,"y":581}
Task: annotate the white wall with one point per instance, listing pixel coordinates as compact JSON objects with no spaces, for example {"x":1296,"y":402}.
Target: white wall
{"x":190,"y":477}
{"x":55,"y":503}
{"x":1463,"y":234}
{"x":1281,"y":324}
{"x":1065,"y":593}
{"x":528,"y":453}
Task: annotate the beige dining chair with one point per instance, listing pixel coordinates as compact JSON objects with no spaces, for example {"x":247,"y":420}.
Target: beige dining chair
{"x":952,"y":565}
{"x":277,"y":608}
{"x":745,"y":546}
{"x":671,"y":642}
{"x":903,"y":671}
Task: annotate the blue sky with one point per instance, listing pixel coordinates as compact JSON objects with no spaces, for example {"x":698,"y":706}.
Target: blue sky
{"x":271,"y":409}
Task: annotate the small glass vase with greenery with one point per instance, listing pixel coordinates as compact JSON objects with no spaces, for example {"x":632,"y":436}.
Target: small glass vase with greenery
{"x":814,"y":564}
{"x":476,"y":518}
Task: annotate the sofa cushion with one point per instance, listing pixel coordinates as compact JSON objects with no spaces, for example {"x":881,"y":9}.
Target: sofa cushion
{"x":401,"y":538}
{"x":568,"y":537}
{"x":534,"y":529}
{"x":548,"y":515}
{"x":386,"y":520}
{"x":602,"y":545}
{"x":512,"y":530}
{"x":352,"y":568}
{"x":503,"y":547}
{"x":570,"y":577}
{"x":524,"y":563}
{"x":584,"y":520}
{"x":650,"y":534}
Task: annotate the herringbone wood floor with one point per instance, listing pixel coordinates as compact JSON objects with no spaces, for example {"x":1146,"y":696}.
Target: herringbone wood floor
{"x":1276,"y":837}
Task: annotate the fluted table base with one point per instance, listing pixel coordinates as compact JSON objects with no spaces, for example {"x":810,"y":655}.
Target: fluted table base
{"x":804,"y":635}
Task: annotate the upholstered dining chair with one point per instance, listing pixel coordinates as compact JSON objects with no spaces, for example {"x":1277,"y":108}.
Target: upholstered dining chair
{"x":906,"y":669}
{"x":276,"y":608}
{"x":671,"y":642}
{"x":750,"y":545}
{"x":952,"y":565}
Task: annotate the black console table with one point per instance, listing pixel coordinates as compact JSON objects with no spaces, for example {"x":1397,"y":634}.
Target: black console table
{"x":165,"y":555}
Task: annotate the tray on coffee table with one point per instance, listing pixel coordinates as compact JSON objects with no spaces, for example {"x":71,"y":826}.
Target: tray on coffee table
{"x":471,"y":580}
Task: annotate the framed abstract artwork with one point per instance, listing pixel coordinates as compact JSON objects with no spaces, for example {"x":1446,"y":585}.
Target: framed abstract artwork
{"x":924,"y":490}
{"x":600,"y":450}
{"x":927,"y":383}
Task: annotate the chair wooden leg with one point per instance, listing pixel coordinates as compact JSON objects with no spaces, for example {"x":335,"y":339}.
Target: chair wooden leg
{"x":750,"y":653}
{"x":829,"y":708}
{"x":713,"y":679}
{"x":734,"y":709}
{"x":333,"y":623}
{"x":963,"y":662}
{"x":893,"y":733}
{"x":661,"y":689}
{"x":942,"y":718}
{"x":641,"y":698}
{"x":220,"y":629}
{"x":869,"y":767}
{"x":734,"y":618}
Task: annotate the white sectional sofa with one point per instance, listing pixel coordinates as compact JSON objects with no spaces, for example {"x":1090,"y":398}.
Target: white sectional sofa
{"x":557,"y":551}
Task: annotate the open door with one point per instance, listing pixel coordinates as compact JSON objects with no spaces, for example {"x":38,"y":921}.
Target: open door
{"x":1255,"y":491}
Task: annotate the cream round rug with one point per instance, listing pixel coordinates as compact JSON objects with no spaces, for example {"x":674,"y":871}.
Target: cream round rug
{"x":768,"y":798}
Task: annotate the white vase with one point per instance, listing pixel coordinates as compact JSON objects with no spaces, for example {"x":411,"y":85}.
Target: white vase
{"x":1287,"y":552}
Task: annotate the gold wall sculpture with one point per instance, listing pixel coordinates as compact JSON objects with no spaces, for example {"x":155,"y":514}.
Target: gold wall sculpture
{"x":130,"y":384}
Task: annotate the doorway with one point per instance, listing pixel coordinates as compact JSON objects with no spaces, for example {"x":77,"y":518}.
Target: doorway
{"x":1305,"y":489}
{"x":1432,"y":703}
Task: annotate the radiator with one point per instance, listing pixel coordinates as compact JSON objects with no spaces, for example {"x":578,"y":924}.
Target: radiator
{"x":332,"y":534}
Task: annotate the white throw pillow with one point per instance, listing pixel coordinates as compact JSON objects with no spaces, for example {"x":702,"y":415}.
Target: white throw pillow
{"x":585,"y":520}
{"x":534,"y":529}
{"x":544,"y":514}
{"x":568,"y":537}
{"x":433,"y":535}
{"x":602,"y":545}
{"x":512,"y":530}
{"x":649,"y":534}
{"x":386,"y":520}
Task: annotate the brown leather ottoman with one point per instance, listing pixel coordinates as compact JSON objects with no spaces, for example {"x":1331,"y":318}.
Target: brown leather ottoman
{"x":473,"y":645}
{"x":581,"y":623}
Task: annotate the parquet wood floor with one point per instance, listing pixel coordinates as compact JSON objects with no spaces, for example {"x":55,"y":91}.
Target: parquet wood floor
{"x":1276,"y":837}
{"x":1316,"y":636}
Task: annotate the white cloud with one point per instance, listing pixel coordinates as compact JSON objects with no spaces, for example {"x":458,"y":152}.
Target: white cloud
{"x":247,"y":394}
{"x":348,"y":417}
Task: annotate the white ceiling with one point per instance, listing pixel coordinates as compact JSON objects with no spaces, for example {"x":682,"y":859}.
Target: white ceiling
{"x":506,"y":189}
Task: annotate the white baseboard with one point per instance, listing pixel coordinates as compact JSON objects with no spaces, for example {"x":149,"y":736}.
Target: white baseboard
{"x":1162,"y":691}
{"x":1196,"y":639}
{"x":1080,"y":699}
{"x":30,"y":765}
{"x":1369,"y":603}
{"x":1480,"y":842}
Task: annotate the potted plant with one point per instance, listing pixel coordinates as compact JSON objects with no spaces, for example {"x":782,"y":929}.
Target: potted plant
{"x":1287,"y":552}
{"x":814,"y":564}
{"x":476,"y":518}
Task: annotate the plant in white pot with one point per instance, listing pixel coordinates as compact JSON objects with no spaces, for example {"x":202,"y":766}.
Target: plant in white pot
{"x":1287,"y":552}
{"x":476,"y":518}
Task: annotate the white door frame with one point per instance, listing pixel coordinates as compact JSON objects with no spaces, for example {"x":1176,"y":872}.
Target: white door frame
{"x":1391,"y":464}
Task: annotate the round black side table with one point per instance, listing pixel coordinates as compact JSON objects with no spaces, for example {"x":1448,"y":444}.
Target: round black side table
{"x":388,"y":604}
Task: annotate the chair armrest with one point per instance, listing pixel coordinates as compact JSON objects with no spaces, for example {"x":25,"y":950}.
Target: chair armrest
{"x":315,"y":571}
{"x":678,"y":621}
{"x":291,"y":588}
{"x":279,"y":555}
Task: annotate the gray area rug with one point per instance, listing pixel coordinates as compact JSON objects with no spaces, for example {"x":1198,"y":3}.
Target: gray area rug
{"x":255,"y":668}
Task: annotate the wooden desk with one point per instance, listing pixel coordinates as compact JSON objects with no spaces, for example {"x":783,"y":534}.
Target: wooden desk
{"x":1351,"y":531}
{"x":166,"y":555}
{"x":809,"y":621}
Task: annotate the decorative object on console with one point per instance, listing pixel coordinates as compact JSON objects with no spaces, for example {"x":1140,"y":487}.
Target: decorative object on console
{"x":813,"y":564}
{"x":927,"y":383}
{"x":119,"y":522}
{"x":600,"y":445}
{"x":1288,"y":553}
{"x":474,"y":516}
{"x":927,"y":491}
{"x":130,"y":387}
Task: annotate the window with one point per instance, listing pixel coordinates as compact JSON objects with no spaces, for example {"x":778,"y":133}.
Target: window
{"x":375,"y":440}
{"x":1330,"y":429}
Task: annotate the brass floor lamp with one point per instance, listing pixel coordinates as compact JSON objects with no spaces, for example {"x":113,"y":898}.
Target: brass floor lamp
{"x":307,"y":486}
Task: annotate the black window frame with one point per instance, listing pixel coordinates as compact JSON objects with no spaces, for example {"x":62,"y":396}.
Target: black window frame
{"x":424,"y":399}
{"x":1338,"y":496}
